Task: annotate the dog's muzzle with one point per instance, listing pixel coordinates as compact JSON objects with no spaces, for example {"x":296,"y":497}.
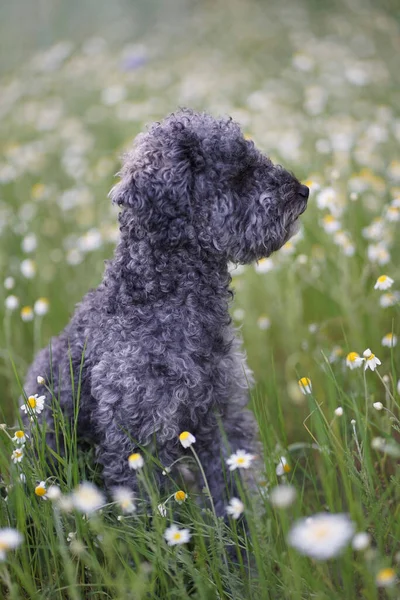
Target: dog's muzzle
{"x":304,"y":191}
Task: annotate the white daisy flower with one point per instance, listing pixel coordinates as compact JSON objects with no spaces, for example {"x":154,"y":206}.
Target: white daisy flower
{"x":17,"y":455}
{"x":27,"y":313}
{"x":9,"y":540}
{"x":176,"y":536}
{"x":41,"y":490}
{"x":135,"y":461}
{"x":322,"y":536}
{"x":53,"y":493}
{"x":34,"y":405}
{"x":361,"y":541}
{"x":383,"y":283}
{"x":264,"y":265}
{"x":326,"y":198}
{"x":19,"y":437}
{"x":389,"y":340}
{"x":330,"y":224}
{"x":180,"y":496}
{"x":41,"y":307}
{"x":235,"y":508}
{"x":186,"y":439}
{"x":41,"y":380}
{"x":87,"y":498}
{"x":338,"y":411}
{"x":378,"y":405}
{"x":28,"y":268}
{"x":124,"y":497}
{"x":354,"y":360}
{"x":9,"y":283}
{"x":263,"y":322}
{"x":386,"y":577}
{"x":283,"y":495}
{"x":283,"y":467}
{"x":305,"y":385}
{"x":11,"y":303}
{"x":240,"y":460}
{"x":371,"y":361}
{"x":389,"y":299}
{"x":29,"y":243}
{"x":393,"y":214}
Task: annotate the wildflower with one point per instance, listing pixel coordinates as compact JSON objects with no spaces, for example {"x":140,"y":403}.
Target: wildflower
{"x":180,"y":496}
{"x":87,"y":498}
{"x":330,"y":224}
{"x":238,"y":314}
{"x":322,"y":536}
{"x":354,"y":360}
{"x":9,"y":540}
{"x":9,"y":283}
{"x":135,"y":461}
{"x":28,"y":268}
{"x":283,"y":467}
{"x":371,"y":361}
{"x":389,"y":340}
{"x":29,"y":243}
{"x":176,"y":536}
{"x":336,"y":353}
{"x":383,"y":283}
{"x":393,"y":214}
{"x":263,"y":322}
{"x":27,"y":314}
{"x":186,"y":439}
{"x":389,"y":299}
{"x":34,"y":404}
{"x":11,"y":303}
{"x":41,"y":306}
{"x":17,"y":455}
{"x":41,"y":490}
{"x":283,"y":495}
{"x":71,"y":536}
{"x":338,"y":411}
{"x":326,"y":198}
{"x":305,"y":385}
{"x":385,"y":577}
{"x":239,"y":460}
{"x":378,"y":405}
{"x":264,"y":265}
{"x":162,"y":509}
{"x":41,"y":380}
{"x":53,"y":493}
{"x":235,"y":508}
{"x":19,"y":437}
{"x":124,"y":497}
{"x":361,"y":541}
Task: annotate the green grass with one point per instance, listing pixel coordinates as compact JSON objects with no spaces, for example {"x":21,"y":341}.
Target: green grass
{"x":317,"y":89}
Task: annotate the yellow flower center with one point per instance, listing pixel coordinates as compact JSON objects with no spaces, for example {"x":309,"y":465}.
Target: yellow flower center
{"x":18,"y":453}
{"x":329,"y":219}
{"x":134,"y":457}
{"x":177,"y":536}
{"x":184,"y":436}
{"x":385,"y":575}
{"x":19,"y":434}
{"x":382,"y":278}
{"x":371,"y":357}
{"x":26,"y":311}
{"x":240,"y":460}
{"x":353,"y":356}
{"x":287,"y":468}
{"x":37,"y":190}
{"x":305,"y":381}
{"x":321,"y":531}
{"x":180,"y":496}
{"x":32,"y":401}
{"x":40,"y":490}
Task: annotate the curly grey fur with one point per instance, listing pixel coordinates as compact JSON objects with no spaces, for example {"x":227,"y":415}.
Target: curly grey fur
{"x":161,"y":355}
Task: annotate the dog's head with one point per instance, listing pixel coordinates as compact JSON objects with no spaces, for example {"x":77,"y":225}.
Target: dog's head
{"x":195,"y":180}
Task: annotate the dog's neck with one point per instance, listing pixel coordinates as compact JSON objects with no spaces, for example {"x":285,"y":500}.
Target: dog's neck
{"x":143,"y":273}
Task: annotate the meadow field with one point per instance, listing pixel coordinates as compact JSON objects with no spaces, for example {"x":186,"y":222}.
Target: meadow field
{"x":317,"y":87}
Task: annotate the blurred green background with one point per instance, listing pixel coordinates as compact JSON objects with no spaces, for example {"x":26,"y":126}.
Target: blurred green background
{"x":317,"y":86}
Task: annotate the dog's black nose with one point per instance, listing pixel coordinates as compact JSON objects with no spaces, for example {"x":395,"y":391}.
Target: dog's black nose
{"x":304,"y":191}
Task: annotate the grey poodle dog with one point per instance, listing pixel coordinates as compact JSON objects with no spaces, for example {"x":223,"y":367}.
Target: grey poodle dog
{"x":152,"y":348}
